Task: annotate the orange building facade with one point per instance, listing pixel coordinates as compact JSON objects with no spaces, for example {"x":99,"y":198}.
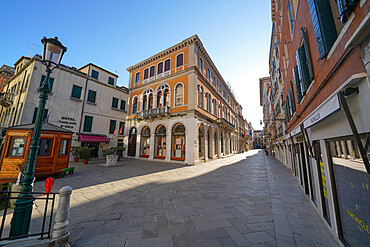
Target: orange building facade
{"x":319,"y":73}
{"x":180,"y":107}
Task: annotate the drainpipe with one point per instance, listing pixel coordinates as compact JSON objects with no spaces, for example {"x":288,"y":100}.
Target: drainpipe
{"x":83,"y":100}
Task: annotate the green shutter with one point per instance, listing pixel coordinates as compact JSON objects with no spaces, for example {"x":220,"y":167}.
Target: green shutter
{"x":88,"y":124}
{"x":304,"y":74}
{"x":91,"y":97}
{"x":112,"y":126}
{"x":115,"y":102}
{"x":76,"y":92}
{"x":292,"y":101}
{"x":297,"y":84}
{"x":111,"y":81}
{"x":307,"y":51}
{"x":323,"y":24}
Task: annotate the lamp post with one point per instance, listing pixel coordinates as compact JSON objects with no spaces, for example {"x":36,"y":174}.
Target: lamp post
{"x":52,"y":55}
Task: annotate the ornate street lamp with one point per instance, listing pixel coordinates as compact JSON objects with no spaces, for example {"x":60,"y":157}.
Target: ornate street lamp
{"x":20,"y":224}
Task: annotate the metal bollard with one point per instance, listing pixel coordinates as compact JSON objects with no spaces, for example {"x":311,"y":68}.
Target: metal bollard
{"x":60,"y":227}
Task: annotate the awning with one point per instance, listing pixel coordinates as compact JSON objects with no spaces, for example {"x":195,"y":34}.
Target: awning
{"x":92,"y":138}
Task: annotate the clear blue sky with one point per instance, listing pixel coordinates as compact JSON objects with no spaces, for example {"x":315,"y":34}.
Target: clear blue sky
{"x":118,"y":34}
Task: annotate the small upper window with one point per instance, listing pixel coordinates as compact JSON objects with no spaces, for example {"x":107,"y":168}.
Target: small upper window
{"x":123,"y":105}
{"x":167,"y":65}
{"x":76,"y":92}
{"x":201,"y":64}
{"x":160,"y":68}
{"x":91,"y":97}
{"x":94,"y":74}
{"x":114,"y":103}
{"x":180,"y":60}
{"x":214,"y":81}
{"x":209,"y":74}
{"x":137,"y":77}
{"x":146,"y":73}
{"x":111,"y":81}
{"x":152,"y":71}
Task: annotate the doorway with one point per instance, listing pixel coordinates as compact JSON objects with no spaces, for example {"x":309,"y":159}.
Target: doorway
{"x":132,"y":142}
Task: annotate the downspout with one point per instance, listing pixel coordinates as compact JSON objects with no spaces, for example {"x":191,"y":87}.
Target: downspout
{"x":19,"y":97}
{"x":83,"y":100}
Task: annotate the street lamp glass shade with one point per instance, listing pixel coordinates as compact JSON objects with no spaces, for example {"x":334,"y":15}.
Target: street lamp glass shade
{"x":53,"y":51}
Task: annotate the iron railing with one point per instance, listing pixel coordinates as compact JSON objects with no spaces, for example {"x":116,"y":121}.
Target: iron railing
{"x":36,"y":196}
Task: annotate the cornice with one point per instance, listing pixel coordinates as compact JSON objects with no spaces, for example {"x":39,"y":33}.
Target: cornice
{"x":166,"y":52}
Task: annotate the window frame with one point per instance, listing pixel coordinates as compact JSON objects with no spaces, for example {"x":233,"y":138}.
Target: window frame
{"x":110,"y":79}
{"x":85,"y":129}
{"x":88,"y":96}
{"x":183,"y":62}
{"x":94,"y":72}
{"x":175,"y":94}
{"x":10,"y":147}
{"x":137,"y":77}
{"x":75,"y":86}
{"x":114,"y":99}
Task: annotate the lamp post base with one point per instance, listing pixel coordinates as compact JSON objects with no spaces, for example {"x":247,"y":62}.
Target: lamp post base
{"x":21,"y":217}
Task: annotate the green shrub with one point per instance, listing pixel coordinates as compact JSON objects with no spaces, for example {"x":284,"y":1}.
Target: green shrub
{"x":85,"y":152}
{"x":75,"y":151}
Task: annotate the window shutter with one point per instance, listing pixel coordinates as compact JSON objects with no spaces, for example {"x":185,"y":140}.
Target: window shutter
{"x":307,"y":51}
{"x":112,"y":126}
{"x":292,"y":101}
{"x":303,"y":72}
{"x":323,"y":24}
{"x":88,"y":124}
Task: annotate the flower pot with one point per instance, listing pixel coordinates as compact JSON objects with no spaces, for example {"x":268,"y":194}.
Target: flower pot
{"x":119,"y":158}
{"x":85,"y":161}
{"x":76,"y":159}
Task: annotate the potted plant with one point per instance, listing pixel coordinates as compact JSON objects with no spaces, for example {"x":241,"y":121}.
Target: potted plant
{"x":119,"y":152}
{"x":109,"y":151}
{"x":85,"y":154}
{"x":75,"y":153}
{"x":110,"y":156}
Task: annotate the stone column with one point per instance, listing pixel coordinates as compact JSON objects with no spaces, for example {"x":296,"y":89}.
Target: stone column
{"x":350,"y":149}
{"x":205,"y":144}
{"x":152,"y":146}
{"x":168,"y":145}
{"x":60,"y":235}
{"x":138,"y":145}
{"x":338,"y":148}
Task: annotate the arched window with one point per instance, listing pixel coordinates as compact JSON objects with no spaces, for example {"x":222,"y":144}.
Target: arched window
{"x":209,"y":104}
{"x":145,"y":142}
{"x":160,"y":142}
{"x":201,"y":97}
{"x":178,"y":142}
{"x":146,"y":73}
{"x":215,"y":107}
{"x":180,"y":60}
{"x":147,"y":99}
{"x":134,"y":105}
{"x":163,"y":96}
{"x":179,"y":94}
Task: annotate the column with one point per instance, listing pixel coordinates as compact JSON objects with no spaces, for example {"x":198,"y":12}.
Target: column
{"x":138,"y":145}
{"x":168,"y":145}
{"x":152,"y":145}
{"x":206,"y":144}
{"x":350,"y":149}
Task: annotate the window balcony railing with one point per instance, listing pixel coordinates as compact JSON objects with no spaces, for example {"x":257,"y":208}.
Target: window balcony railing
{"x":153,"y":112}
{"x":6,"y":99}
{"x":226,"y":124}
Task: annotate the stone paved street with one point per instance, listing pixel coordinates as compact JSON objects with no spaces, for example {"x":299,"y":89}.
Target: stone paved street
{"x":244,"y":200}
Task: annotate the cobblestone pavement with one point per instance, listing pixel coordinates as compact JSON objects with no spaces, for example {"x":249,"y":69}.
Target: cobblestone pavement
{"x":244,"y":200}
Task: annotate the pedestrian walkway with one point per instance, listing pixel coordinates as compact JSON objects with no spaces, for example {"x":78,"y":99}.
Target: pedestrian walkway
{"x":244,"y":200}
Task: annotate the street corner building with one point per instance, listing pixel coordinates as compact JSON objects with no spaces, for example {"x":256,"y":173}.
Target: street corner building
{"x":317,"y":108}
{"x":181,"y":109}
{"x":86,"y":101}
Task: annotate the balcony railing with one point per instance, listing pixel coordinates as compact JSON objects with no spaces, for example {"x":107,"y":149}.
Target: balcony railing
{"x":224,"y":123}
{"x":6,"y":99}
{"x":153,"y":112}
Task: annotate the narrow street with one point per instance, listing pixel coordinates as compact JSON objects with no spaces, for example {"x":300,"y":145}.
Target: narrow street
{"x":244,"y":200}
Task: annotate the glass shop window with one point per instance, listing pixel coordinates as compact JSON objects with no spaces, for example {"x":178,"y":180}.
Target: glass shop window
{"x":45,"y":147}
{"x":352,"y":187}
{"x":16,"y":147}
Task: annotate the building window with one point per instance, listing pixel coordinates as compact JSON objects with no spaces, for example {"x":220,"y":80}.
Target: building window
{"x":201,"y":97}
{"x":46,"y":112}
{"x":63,"y":150}
{"x":123,"y":105}
{"x":146,"y":73}
{"x":120,"y":143}
{"x":167,"y":65}
{"x":160,"y":142}
{"x":112,"y":126}
{"x":163,"y":96}
{"x":91,"y":96}
{"x":178,"y":142}
{"x":179,"y":94}
{"x":304,"y":68}
{"x":16,"y":146}
{"x":147,"y":99}
{"x":110,"y":81}
{"x":209,"y":74}
{"x":134,"y":105}
{"x":145,"y":142}
{"x":114,"y":103}
{"x":88,"y":124}
{"x":94,"y":74}
{"x":215,"y":107}
{"x":209,"y":103}
{"x":160,"y":68}
{"x":201,"y":142}
{"x":152,"y":71}
{"x":180,"y":60}
{"x":201,"y":64}
{"x":51,"y":82}
{"x":76,"y":92}
{"x":214,"y":82}
{"x":121,"y":129}
{"x":45,"y":147}
{"x":290,"y":16}
{"x":137,"y":77}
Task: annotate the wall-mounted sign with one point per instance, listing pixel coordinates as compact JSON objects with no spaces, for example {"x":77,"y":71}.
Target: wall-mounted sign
{"x":67,"y":122}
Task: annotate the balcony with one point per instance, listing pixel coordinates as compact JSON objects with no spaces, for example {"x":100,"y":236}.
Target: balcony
{"x":161,"y":111}
{"x":6,"y":99}
{"x":225,"y":124}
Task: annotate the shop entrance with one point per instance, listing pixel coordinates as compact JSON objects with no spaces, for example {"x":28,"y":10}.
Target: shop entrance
{"x":131,"y":151}
{"x":94,"y":146}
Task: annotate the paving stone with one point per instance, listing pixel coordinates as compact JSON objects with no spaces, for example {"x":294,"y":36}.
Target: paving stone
{"x":134,"y":239}
{"x":170,"y":231}
{"x":192,"y":233}
{"x":258,"y":237}
{"x":236,"y":236}
{"x":129,"y":228}
{"x":149,"y":230}
{"x":214,"y":233}
{"x":180,"y":240}
{"x":162,"y":221}
{"x":207,"y":243}
{"x":227,"y":242}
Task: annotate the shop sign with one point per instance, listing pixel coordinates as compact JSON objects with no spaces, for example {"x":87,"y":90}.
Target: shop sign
{"x":67,"y":122}
{"x":324,"y":111}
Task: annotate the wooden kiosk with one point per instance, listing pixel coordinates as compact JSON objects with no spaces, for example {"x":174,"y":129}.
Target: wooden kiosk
{"x":53,"y":155}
